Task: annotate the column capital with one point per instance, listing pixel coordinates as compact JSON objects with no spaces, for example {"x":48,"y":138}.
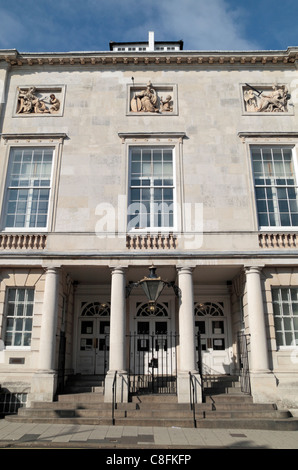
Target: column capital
{"x":52,"y":269}
{"x":118,"y":269}
{"x":253,"y":269}
{"x":185,"y":269}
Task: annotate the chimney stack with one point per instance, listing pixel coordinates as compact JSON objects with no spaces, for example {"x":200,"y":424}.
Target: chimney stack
{"x":151,"y":41}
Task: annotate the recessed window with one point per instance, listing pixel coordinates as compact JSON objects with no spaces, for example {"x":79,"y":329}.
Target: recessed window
{"x":28,"y":188}
{"x":285,"y":309}
{"x":151,"y":202}
{"x":19,"y":317}
{"x":275,"y":186}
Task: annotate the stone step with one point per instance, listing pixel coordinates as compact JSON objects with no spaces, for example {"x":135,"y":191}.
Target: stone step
{"x":84,"y":384}
{"x":228,"y":398}
{"x":151,"y":398}
{"x":225,"y":406}
{"x":254,"y":418}
{"x":290,"y":424}
{"x":125,"y":412}
{"x":85,"y":397}
{"x":158,"y":407}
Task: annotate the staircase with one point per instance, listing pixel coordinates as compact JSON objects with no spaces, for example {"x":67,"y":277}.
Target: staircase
{"x":225,"y":407}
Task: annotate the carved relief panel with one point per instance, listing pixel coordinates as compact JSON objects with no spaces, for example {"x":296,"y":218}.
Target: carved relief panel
{"x":266,"y":99}
{"x":39,"y":101}
{"x":152,"y":99}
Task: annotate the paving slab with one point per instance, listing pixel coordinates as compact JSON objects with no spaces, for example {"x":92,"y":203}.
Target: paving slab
{"x":18,"y":435}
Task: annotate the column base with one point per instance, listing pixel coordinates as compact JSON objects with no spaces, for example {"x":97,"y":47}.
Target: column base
{"x":184,"y":387}
{"x":118,"y":384}
{"x":263,"y":387}
{"x":43,"y":386}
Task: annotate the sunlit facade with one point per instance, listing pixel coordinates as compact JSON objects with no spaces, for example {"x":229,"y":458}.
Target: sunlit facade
{"x":149,"y":155}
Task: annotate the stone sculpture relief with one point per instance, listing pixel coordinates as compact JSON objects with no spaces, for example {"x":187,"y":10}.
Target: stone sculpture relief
{"x":148,"y":101}
{"x":265,"y":101}
{"x":31,"y":102}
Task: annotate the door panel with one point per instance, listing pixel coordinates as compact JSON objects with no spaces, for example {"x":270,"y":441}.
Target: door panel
{"x":93,"y":354}
{"x":215,"y":355}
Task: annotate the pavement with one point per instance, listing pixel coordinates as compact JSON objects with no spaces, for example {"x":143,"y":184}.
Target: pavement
{"x":62,"y":436}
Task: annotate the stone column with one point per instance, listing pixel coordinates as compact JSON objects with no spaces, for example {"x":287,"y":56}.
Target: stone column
{"x":44,"y":381}
{"x":187,"y":362}
{"x":47,"y":348}
{"x":259,"y":361}
{"x":117,"y":338}
{"x":263,"y":384}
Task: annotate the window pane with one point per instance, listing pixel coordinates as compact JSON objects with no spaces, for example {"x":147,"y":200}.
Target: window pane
{"x":19,"y":316}
{"x":275,"y":186}
{"x":28,"y":169}
{"x":285,"y":310}
{"x":156,"y":179}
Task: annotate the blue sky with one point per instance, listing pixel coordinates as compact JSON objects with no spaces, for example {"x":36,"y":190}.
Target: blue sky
{"x":89,"y":25}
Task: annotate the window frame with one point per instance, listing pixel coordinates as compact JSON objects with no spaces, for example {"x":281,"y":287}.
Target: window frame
{"x":36,"y":141}
{"x":283,"y":347}
{"x":30,"y":188}
{"x":271,"y":146}
{"x":16,"y":317}
{"x":152,"y":228}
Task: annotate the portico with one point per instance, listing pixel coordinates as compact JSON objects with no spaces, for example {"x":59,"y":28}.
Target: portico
{"x":112,"y":330}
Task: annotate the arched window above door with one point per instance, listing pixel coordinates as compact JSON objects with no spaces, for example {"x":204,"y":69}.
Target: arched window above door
{"x":95,"y":309}
{"x":214,"y":309}
{"x":146,"y":310}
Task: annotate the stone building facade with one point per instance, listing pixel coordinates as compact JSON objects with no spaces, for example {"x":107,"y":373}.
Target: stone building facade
{"x":112,"y":162}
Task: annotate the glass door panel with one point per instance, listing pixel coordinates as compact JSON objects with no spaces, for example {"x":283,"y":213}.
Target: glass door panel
{"x":93,"y":346}
{"x":213,"y":339}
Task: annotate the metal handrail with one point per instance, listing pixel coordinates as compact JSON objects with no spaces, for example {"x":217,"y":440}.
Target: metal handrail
{"x":114,"y":401}
{"x":200,"y":362}
{"x":192,"y":398}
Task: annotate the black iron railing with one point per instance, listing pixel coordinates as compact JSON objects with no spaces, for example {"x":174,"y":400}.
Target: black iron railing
{"x":244,"y":374}
{"x":192,"y":398}
{"x":200,"y":361}
{"x":153,"y":363}
{"x":114,"y":399}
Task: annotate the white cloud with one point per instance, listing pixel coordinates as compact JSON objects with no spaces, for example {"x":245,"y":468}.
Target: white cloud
{"x":85,"y":24}
{"x":203,"y":25}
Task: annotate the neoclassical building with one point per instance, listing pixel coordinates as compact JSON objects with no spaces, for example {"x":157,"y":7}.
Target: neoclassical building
{"x":149,"y":217}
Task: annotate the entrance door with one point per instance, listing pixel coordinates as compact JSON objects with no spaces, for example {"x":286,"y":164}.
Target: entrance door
{"x":211,"y":324}
{"x":94,"y":328}
{"x":152,"y":351}
{"x":152,"y":348}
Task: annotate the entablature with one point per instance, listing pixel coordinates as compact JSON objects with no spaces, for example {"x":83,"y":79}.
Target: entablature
{"x":289,"y":56}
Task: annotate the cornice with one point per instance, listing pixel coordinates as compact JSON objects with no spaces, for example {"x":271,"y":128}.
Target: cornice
{"x":52,"y":136}
{"x":151,"y":135}
{"x":238,"y":58}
